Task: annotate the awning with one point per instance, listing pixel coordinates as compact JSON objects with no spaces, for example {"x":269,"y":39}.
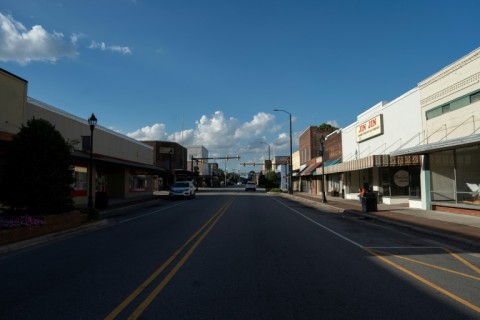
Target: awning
{"x":330,"y":163}
{"x":311,"y":168}
{"x":300,"y":171}
{"x":374,"y":161}
{"x":439,"y":146}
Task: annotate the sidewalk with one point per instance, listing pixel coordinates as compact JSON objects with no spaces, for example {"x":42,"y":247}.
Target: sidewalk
{"x":457,"y":227}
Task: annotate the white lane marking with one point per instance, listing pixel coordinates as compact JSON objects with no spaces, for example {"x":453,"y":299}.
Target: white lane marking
{"x":322,"y":226}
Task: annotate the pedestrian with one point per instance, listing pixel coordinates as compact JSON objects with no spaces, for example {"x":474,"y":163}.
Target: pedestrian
{"x":361,"y":195}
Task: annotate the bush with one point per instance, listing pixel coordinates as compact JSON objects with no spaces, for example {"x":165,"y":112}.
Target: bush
{"x":37,"y":174}
{"x":275,"y":190}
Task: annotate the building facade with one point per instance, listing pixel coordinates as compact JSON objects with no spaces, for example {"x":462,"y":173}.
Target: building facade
{"x":366,"y":145}
{"x":450,"y":140}
{"x":121,"y":167}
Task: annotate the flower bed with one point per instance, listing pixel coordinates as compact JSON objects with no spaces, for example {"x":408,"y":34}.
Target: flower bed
{"x":27,"y":227}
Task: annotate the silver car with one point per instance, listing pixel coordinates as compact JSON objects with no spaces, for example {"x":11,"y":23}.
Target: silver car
{"x":184,"y":189}
{"x":250,"y":186}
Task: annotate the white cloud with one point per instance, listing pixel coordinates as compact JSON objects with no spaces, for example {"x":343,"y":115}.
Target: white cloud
{"x":333,"y":123}
{"x":260,"y":123}
{"x":219,"y":134}
{"x":23,"y":46}
{"x":103,"y":47}
{"x":155,"y":132}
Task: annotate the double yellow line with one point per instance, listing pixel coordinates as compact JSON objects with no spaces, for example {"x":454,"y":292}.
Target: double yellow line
{"x":196,"y":239}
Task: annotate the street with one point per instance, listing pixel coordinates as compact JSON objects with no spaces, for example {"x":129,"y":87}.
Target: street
{"x":241,"y":255}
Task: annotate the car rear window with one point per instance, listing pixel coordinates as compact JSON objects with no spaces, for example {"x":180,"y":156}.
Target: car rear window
{"x":180,"y":184}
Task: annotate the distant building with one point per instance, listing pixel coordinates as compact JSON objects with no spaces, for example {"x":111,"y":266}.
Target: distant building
{"x":310,"y":160}
{"x":169,"y":155}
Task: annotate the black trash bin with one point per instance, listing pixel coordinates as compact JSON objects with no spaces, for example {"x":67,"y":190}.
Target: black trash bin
{"x":101,"y":200}
{"x":369,"y":202}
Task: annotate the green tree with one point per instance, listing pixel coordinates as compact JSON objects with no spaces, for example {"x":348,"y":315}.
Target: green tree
{"x":327,"y":126}
{"x":271,"y":180}
{"x":38,"y":177}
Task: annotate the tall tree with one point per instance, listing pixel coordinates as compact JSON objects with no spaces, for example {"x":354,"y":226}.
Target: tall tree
{"x":38,"y":176}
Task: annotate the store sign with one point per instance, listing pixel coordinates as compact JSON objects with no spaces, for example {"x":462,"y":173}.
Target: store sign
{"x":370,"y":128}
{"x":400,"y":178}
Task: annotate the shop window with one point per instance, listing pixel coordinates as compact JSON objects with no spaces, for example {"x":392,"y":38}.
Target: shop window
{"x":442,"y":176}
{"x":138,"y":183}
{"x":468,"y":175}
{"x":80,"y":184}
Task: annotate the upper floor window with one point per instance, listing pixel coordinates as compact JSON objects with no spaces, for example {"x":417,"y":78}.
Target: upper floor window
{"x":453,"y":105}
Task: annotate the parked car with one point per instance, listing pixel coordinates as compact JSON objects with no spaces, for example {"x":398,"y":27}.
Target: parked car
{"x":184,"y":189}
{"x":250,"y":186}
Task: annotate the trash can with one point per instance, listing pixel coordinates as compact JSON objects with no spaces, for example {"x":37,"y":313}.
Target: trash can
{"x":101,"y":200}
{"x":369,"y":203}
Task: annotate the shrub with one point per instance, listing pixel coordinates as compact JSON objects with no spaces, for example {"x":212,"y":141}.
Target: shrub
{"x":37,"y":174}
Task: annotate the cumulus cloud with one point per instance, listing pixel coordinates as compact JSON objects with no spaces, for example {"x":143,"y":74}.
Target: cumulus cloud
{"x":103,"y":47}
{"x":260,"y":123}
{"x":23,"y":46}
{"x":154,"y":132}
{"x":218,"y":133}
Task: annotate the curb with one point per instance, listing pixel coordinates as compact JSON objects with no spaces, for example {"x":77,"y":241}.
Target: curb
{"x":15,"y":246}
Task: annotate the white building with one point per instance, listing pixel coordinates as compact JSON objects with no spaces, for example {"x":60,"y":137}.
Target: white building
{"x":366,"y":145}
{"x":450,"y":144}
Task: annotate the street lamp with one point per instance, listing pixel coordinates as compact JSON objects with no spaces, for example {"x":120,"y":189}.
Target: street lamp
{"x":170,"y":175}
{"x":290,"y":188}
{"x":269,"y":163}
{"x":322,"y":153}
{"x":92,"y":121}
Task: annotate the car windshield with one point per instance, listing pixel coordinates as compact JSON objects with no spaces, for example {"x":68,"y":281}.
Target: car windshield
{"x":180,"y":184}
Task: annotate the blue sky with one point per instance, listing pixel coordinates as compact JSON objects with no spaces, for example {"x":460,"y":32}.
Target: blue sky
{"x":211,"y":72}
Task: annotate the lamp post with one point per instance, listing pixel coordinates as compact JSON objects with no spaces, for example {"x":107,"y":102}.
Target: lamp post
{"x":290,"y":188}
{"x":92,"y":121}
{"x":170,"y":175}
{"x":269,"y":163}
{"x":322,"y":153}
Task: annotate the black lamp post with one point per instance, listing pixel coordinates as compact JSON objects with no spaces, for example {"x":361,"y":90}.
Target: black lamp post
{"x":322,"y":153}
{"x":92,"y":121}
{"x":170,"y":175}
{"x":290,"y":187}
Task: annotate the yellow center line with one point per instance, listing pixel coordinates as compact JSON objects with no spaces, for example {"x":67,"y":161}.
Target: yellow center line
{"x":465,"y":262}
{"x":424,"y":281}
{"x":430,"y":265}
{"x":162,"y":268}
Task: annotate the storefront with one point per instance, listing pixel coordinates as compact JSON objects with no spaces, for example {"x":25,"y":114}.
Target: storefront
{"x":450,"y":144}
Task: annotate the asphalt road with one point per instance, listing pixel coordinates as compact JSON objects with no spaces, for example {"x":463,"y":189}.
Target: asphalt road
{"x":238,"y":255}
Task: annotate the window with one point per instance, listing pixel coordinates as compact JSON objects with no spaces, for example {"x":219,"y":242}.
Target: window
{"x":453,"y":105}
{"x":468,"y":175}
{"x":81,"y":181}
{"x":138,"y":183}
{"x":475,"y":97}
{"x":432,"y":113}
{"x":442,"y":176}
